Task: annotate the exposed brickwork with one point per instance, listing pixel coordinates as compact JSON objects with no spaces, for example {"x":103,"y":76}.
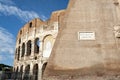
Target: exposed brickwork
{"x":75,"y":56}
{"x":33,"y":40}
{"x":73,"y":53}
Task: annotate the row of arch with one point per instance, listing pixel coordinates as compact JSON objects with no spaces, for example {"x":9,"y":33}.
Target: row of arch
{"x":26,"y":73}
{"x":28,"y":47}
{"x":28,"y":52}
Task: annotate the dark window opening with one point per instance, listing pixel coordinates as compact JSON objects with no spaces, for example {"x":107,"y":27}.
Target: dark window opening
{"x":36,"y":45}
{"x":21,"y":69}
{"x":13,"y":69}
{"x":35,"y":57}
{"x":18,"y":56}
{"x":21,"y":72}
{"x":17,"y":70}
{"x":35,"y":72}
{"x":116,"y":2}
{"x":20,"y":32}
{"x":43,"y":68}
{"x":19,"y":40}
{"x":16,"y":53}
{"x":16,"y":73}
{"x":23,"y":50}
{"x":27,"y":73}
{"x":30,"y":25}
{"x":29,"y":46}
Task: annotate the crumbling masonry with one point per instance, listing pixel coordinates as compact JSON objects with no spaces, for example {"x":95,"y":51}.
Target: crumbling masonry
{"x":33,"y":46}
{"x":87,"y":46}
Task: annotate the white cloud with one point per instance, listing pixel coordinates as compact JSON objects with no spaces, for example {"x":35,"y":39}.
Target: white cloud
{"x":7,"y":43}
{"x":22,"y":14}
{"x":43,"y":17}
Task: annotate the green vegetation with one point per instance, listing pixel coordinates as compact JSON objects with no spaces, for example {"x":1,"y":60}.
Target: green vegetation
{"x":3,"y":66}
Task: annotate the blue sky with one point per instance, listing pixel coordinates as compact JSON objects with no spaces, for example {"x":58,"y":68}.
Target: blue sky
{"x":14,"y":14}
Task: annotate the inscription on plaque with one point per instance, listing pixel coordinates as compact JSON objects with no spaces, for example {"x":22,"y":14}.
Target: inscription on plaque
{"x":86,"y":35}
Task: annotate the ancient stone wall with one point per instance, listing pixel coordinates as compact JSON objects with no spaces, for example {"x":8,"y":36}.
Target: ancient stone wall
{"x":34,"y":44}
{"x":86,"y":44}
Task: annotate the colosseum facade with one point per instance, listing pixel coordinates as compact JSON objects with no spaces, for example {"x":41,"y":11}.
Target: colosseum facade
{"x":33,"y":46}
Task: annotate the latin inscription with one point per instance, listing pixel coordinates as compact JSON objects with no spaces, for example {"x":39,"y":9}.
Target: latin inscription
{"x":86,"y":36}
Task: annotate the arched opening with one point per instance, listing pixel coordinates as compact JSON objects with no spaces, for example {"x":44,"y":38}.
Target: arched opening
{"x":36,"y":45}
{"x":48,"y":45}
{"x":21,"y":69}
{"x":29,"y":47}
{"x":23,"y":50}
{"x":30,"y":25}
{"x":21,"y":72}
{"x":13,"y":69}
{"x":19,"y":40}
{"x":43,"y":68}
{"x":18,"y":56}
{"x":16,"y":73}
{"x":27,"y":73}
{"x":20,"y":32}
{"x":35,"y":72}
{"x":17,"y":70}
{"x":16,"y":53}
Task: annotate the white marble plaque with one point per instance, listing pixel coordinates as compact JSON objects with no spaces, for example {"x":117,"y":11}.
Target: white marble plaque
{"x":86,"y":35}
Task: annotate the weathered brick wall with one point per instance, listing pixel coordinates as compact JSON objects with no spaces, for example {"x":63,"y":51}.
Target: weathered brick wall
{"x":83,"y":78}
{"x":71,"y":56}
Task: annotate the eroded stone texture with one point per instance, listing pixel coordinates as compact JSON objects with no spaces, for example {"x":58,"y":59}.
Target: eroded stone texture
{"x":33,"y":46}
{"x":72,"y":56}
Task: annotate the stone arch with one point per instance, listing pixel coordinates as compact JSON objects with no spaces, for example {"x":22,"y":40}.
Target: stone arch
{"x":30,"y":24}
{"x":20,"y":41}
{"x":27,"y":73}
{"x":43,"y":68}
{"x":14,"y":69}
{"x":18,"y":56}
{"x":48,"y":42}
{"x":17,"y":69}
{"x":29,"y":48}
{"x":21,"y":72}
{"x":16,"y":72}
{"x":35,"y":72}
{"x":36,"y":45}
{"x":16,"y":53}
{"x":23,"y":50}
